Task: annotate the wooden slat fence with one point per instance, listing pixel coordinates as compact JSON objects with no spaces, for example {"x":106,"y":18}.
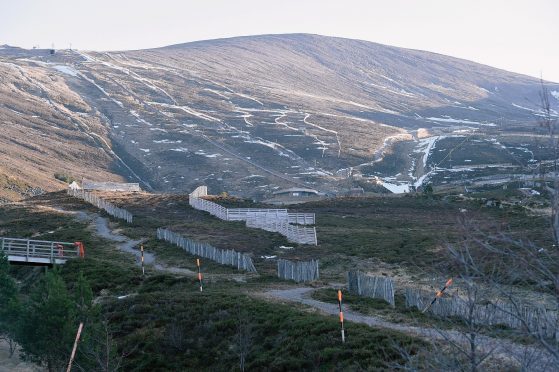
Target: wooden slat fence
{"x":110,"y":186}
{"x":100,"y":203}
{"x":302,"y":218}
{"x":200,"y":191}
{"x":371,"y":286}
{"x":294,"y":233}
{"x":299,"y":271}
{"x":491,"y":314}
{"x":241,"y":214}
{"x":274,"y":220}
{"x":241,"y":261}
{"x":208,"y":206}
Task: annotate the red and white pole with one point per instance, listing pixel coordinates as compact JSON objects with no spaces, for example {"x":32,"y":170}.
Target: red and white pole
{"x":199,"y":274}
{"x":341,"y":314}
{"x":438,"y":294}
{"x":143,"y":268}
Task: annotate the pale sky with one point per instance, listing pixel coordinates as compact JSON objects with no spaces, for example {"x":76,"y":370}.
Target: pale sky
{"x":519,"y":36}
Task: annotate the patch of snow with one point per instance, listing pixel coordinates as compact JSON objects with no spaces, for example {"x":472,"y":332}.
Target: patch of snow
{"x":188,"y":110}
{"x":249,"y":97}
{"x":167,"y":141}
{"x":17,"y":112}
{"x":85,"y":56}
{"x":555,"y":94}
{"x":448,"y":119}
{"x":268,"y":257}
{"x":66,"y":70}
{"x":202,"y":153}
{"x":322,"y":143}
{"x":179,"y":149}
{"x":523,"y":108}
{"x":397,"y":188}
{"x":426,"y":145}
{"x":144,"y":150}
{"x":216,"y":92}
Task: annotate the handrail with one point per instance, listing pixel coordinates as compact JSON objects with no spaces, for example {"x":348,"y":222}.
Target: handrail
{"x":18,"y":249}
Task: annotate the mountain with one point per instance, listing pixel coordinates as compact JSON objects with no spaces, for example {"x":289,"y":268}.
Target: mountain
{"x":246,"y":115}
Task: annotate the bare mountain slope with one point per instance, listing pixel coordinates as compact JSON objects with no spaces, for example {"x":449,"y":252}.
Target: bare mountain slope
{"x":252,"y":114}
{"x":46,"y":129}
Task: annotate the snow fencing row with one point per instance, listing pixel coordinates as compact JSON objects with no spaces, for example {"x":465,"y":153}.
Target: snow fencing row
{"x":200,"y":191}
{"x":294,"y":233}
{"x":242,"y":214}
{"x":110,"y":186}
{"x":241,"y":261}
{"x":542,"y":320}
{"x":212,"y":208}
{"x":300,"y":271}
{"x":100,"y":203}
{"x":274,"y":220}
{"x":371,"y":286}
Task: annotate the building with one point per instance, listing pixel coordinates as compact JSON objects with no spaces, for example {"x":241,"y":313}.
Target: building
{"x":296,"y":192}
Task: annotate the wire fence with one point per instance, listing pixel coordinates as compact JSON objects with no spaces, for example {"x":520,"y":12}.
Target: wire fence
{"x":371,"y":286}
{"x":300,"y":271}
{"x":100,"y":203}
{"x":241,"y":261}
{"x":498,"y":313}
{"x":290,"y":225}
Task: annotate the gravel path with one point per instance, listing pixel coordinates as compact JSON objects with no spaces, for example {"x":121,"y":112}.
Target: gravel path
{"x":503,"y":348}
{"x":127,"y":245}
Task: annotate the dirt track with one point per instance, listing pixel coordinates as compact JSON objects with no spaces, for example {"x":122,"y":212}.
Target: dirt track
{"x":503,"y":349}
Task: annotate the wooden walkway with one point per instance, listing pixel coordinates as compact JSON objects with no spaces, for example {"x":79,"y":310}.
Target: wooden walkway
{"x":40,"y":252}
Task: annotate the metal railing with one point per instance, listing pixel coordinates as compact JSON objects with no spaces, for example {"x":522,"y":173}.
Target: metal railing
{"x":40,"y":251}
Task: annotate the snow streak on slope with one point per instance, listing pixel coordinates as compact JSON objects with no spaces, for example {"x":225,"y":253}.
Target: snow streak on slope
{"x":320,"y":142}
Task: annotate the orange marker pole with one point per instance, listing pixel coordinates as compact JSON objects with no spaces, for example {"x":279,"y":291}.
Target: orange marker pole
{"x":341,"y":314}
{"x":439,"y":294}
{"x":199,"y":274}
{"x":143,"y":268}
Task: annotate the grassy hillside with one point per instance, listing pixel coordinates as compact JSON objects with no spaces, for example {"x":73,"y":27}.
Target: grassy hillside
{"x":165,"y":323}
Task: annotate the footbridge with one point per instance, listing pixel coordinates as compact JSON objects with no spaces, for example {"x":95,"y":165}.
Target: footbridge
{"x":40,"y":252}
